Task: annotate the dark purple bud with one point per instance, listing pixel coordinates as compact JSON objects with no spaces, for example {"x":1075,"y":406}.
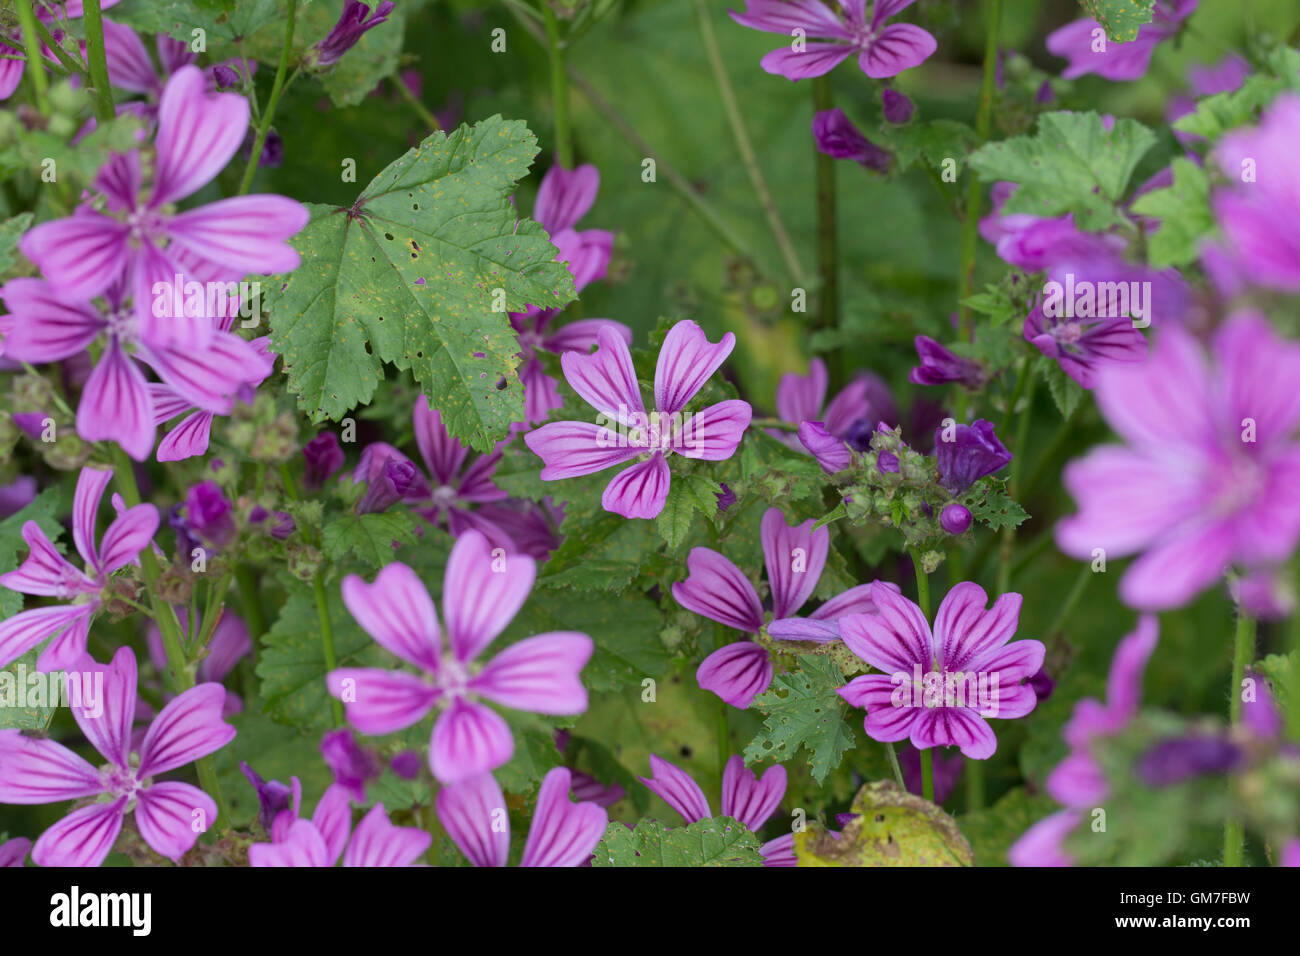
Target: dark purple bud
{"x":887,"y":463}
{"x":859,"y":435}
{"x":726,"y":498}
{"x":225,"y":77}
{"x":1045,"y":94}
{"x":284,"y":526}
{"x":955,"y":518}
{"x":1179,"y":759}
{"x":939,"y":366}
{"x":324,"y":457}
{"x":407,"y":764}
{"x":1042,"y":684}
{"x":352,"y":24}
{"x":352,"y":765}
{"x":185,"y":542}
{"x":973,"y":452}
{"x":17,"y":495}
{"x":896,"y":107}
{"x":30,"y":423}
{"x":837,"y":136}
{"x":273,"y":797}
{"x":392,"y":484}
{"x":844,"y":819}
{"x":258,"y":515}
{"x":273,"y":150}
{"x":209,"y":514}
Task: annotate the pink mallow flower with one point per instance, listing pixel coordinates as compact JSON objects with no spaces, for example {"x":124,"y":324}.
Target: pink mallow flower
{"x":1209,"y":471}
{"x":1078,"y":782}
{"x":606,"y":381}
{"x":882,"y":50}
{"x":937,"y":686}
{"x":328,"y":835}
{"x":47,"y":573}
{"x":715,"y":588}
{"x":169,"y":815}
{"x":145,"y":239}
{"x":562,"y":833}
{"x":1085,"y":44}
{"x":482,"y":591}
{"x":745,"y":797}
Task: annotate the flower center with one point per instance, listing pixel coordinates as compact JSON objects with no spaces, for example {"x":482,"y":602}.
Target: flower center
{"x":453,"y":677}
{"x":444,"y":496}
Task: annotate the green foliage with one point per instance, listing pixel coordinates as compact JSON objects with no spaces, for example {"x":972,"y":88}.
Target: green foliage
{"x":1184,"y":213}
{"x":369,"y":537}
{"x":802,"y":709}
{"x":1066,"y":392}
{"x":687,"y":495}
{"x":11,"y":230}
{"x":1215,"y":115}
{"x":44,"y":510}
{"x":1072,"y":164}
{"x":890,"y":827}
{"x":1120,"y":18}
{"x":991,"y":831}
{"x":16,"y":687}
{"x":994,"y":509}
{"x":418,"y":272}
{"x":720,"y":841}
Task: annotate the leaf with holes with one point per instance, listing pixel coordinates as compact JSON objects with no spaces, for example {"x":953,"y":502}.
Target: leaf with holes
{"x":420,"y":272}
{"x":802,"y":709}
{"x":720,"y":841}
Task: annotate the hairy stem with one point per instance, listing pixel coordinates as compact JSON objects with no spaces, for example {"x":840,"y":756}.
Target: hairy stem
{"x":748,"y":158}
{"x":35,"y":64}
{"x":277,"y":88}
{"x":413,"y":101}
{"x":559,"y":88}
{"x":974,"y":192}
{"x":97,"y":61}
{"x":1243,"y":650}
{"x":327,"y":640}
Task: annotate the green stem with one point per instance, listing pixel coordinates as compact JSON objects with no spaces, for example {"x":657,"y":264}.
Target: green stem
{"x":96,"y":59}
{"x":923,"y":600}
{"x":277,"y":88}
{"x":974,"y":192}
{"x":559,"y":88}
{"x":688,"y":193}
{"x":827,"y":228}
{"x":1022,"y":380}
{"x":73,"y":67}
{"x":927,"y":774}
{"x":974,"y":770}
{"x":1013,"y":484}
{"x":1071,"y":601}
{"x":1243,"y":650}
{"x":420,"y":109}
{"x":181,"y":675}
{"x":35,"y":61}
{"x":893,"y":765}
{"x":748,"y":157}
{"x":1054,"y":446}
{"x":327,"y":640}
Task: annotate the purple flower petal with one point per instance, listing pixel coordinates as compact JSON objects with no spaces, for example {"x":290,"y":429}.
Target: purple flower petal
{"x":539,"y":674}
{"x":686,"y":361}
{"x":639,"y":491}
{"x":482,"y":592}
{"x":678,"y":789}
{"x":377,"y":842}
{"x":717,"y":589}
{"x":562,"y":833}
{"x":380,"y":701}
{"x":398,"y":613}
{"x":84,"y":837}
{"x":468,"y":739}
{"x":795,"y":557}
{"x":737,"y":673}
{"x":189,"y":727}
{"x":469,"y":811}
{"x":747,"y":798}
{"x":167,"y":813}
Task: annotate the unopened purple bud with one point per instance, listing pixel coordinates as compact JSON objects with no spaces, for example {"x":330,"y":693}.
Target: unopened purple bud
{"x":1045,"y":94}
{"x":352,"y":24}
{"x":896,"y":107}
{"x":940,"y":366}
{"x":973,"y":452}
{"x":407,"y":764}
{"x":887,"y":463}
{"x":1042,"y":684}
{"x":726,"y":498}
{"x":859,"y":435}
{"x":258,"y":515}
{"x":225,"y":77}
{"x":30,"y":423}
{"x":837,"y":136}
{"x":352,"y":765}
{"x":324,"y":457}
{"x":185,"y":542}
{"x":955,"y":518}
{"x":209,"y":514}
{"x":389,"y":487}
{"x":273,"y":797}
{"x":1173,"y":761}
{"x":284,"y":526}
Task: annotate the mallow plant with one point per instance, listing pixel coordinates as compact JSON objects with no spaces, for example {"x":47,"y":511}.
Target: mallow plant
{"x":610,"y":433}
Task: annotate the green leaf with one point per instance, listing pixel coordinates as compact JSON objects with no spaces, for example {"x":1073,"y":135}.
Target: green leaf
{"x":1073,"y":164}
{"x":11,"y":230}
{"x":1120,"y":18}
{"x":1215,"y":115}
{"x":624,"y":628}
{"x":43,"y":509}
{"x":1066,"y":392}
{"x":223,"y":21}
{"x":890,"y":827}
{"x":995,"y":509}
{"x":720,"y":841}
{"x":370,"y":536}
{"x":420,"y":272}
{"x":996,"y":304}
{"x":1184,"y":213}
{"x":20,"y":707}
{"x":930,"y":142}
{"x":291,"y":665}
{"x":686,"y":495}
{"x":802,"y":709}
{"x":535,"y":754}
